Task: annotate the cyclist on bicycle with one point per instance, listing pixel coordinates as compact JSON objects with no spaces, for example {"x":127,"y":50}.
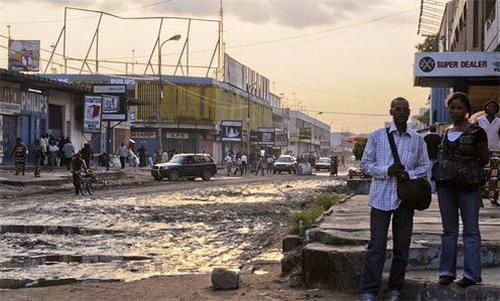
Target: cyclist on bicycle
{"x":78,"y":166}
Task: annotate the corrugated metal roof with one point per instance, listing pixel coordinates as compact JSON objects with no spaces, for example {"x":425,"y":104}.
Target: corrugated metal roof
{"x":40,"y":81}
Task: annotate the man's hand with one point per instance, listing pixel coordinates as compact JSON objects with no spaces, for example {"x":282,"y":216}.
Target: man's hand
{"x":395,"y":169}
{"x":404,"y":176}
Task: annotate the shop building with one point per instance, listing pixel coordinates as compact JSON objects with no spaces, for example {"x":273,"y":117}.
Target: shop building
{"x":306,"y":134}
{"x":31,"y":106}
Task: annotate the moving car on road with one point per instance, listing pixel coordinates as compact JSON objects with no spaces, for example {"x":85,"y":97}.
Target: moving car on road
{"x":189,"y":166}
{"x":285,"y":163}
{"x":323,"y":163}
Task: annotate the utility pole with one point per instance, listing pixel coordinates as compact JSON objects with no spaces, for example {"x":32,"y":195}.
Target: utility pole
{"x":8,"y":30}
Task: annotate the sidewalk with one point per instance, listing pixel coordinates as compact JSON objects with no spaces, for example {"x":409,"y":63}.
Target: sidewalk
{"x":334,"y":255}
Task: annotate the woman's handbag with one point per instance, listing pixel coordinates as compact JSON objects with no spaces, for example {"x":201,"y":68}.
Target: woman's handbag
{"x":464,"y":171}
{"x":413,"y":193}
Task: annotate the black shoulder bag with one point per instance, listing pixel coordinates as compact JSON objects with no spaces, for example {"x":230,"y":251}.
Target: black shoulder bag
{"x":413,"y":193}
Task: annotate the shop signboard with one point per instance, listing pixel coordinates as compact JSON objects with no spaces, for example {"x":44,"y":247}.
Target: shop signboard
{"x":10,"y":101}
{"x":92,"y":114}
{"x":254,"y":136}
{"x":114,"y":101}
{"x":457,"y":64}
{"x":266,"y":136}
{"x":305,"y":133}
{"x":280,"y":138}
{"x":324,"y":144}
{"x":231,"y":130}
{"x":24,"y":55}
{"x":143,"y":134}
{"x":173,"y":135}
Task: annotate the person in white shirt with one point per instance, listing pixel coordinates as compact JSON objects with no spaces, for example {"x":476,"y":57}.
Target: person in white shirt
{"x":164,"y":157}
{"x":229,"y":163}
{"x":244,"y":162}
{"x":491,"y":125}
{"x":123,"y":153}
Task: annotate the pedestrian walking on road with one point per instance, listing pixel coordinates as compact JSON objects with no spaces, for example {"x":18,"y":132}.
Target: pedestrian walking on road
{"x":465,"y":151}
{"x":334,"y":166}
{"x":87,"y":153}
{"x":378,"y":162}
{"x":19,"y":154}
{"x":164,"y":156}
{"x":269,"y":163}
{"x":37,"y":156}
{"x":260,"y":165}
{"x":123,"y":154}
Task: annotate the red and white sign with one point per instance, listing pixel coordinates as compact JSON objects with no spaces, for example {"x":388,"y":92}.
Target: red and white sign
{"x":457,"y":64}
{"x":143,"y":135}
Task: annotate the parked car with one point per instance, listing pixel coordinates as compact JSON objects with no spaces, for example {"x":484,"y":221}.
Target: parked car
{"x":323,"y":163}
{"x":189,"y":166}
{"x":285,"y":163}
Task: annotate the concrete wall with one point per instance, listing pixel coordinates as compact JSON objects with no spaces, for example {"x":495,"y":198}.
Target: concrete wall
{"x":71,"y":103}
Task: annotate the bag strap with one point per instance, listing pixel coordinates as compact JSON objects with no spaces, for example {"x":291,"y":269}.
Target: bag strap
{"x":394,"y":149}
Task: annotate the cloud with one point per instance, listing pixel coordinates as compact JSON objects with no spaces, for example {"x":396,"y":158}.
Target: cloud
{"x":291,"y":13}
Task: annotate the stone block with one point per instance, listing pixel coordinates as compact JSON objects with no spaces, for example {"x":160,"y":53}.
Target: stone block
{"x":224,"y":279}
{"x":291,"y":242}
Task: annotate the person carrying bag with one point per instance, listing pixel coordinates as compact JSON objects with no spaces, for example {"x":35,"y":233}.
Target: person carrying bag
{"x":414,"y":193}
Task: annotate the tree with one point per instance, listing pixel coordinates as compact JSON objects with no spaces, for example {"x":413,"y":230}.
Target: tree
{"x":430,"y":44}
{"x":425,"y":118}
{"x":359,"y":148}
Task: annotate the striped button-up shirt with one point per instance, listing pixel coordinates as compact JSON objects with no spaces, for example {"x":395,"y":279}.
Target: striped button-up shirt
{"x":377,"y":158}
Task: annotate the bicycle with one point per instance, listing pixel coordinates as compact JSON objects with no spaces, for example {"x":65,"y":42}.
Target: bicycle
{"x":90,"y":181}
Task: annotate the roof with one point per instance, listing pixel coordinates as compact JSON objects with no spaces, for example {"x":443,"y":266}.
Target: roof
{"x":39,"y":81}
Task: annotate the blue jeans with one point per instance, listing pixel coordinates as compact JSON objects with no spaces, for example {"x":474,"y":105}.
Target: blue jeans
{"x":450,"y":202}
{"x":402,"y":227}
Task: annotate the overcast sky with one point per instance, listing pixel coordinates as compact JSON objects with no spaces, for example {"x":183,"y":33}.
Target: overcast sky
{"x":349,"y":56}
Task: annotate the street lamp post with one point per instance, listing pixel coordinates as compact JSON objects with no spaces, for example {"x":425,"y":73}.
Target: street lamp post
{"x":177,"y":37}
{"x":249,"y":86}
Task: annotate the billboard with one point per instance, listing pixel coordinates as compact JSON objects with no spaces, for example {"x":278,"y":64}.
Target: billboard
{"x":266,"y":136}
{"x":114,"y":101}
{"x":24,"y":55}
{"x":92,"y":114}
{"x":254,"y":136}
{"x":457,"y":64}
{"x":304,"y":133}
{"x":245,"y":78}
{"x":280,"y":138}
{"x":231,"y":130}
{"x":324,"y":144}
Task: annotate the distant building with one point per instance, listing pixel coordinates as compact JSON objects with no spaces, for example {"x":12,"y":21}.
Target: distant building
{"x":306,"y":135}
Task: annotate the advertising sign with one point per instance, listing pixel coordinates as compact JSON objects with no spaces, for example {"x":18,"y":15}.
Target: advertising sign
{"x":324,"y":144}
{"x":143,"y":135}
{"x":231,"y":130}
{"x":178,"y":135}
{"x":10,"y":101}
{"x":245,"y":78}
{"x":457,"y":64}
{"x":254,"y":136}
{"x":92,"y":114}
{"x":266,"y":136}
{"x":24,"y":55}
{"x":114,"y":101}
{"x":280,"y":138}
{"x":305,"y":133}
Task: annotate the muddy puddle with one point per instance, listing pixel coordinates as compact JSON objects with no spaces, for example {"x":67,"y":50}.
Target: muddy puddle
{"x":124,"y":238}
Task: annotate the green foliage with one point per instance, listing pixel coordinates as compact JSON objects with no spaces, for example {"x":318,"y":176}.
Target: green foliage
{"x":319,"y":204}
{"x":425,"y":118}
{"x":430,"y":44}
{"x":359,"y":148}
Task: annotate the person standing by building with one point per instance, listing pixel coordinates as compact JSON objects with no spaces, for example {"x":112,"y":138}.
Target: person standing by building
{"x":378,"y":162}
{"x":123,"y":153}
{"x":52,"y":151}
{"x":164,"y":156}
{"x":228,"y":160}
{"x":68,"y":152}
{"x":260,"y":165}
{"x":491,"y":125}
{"x":465,"y":146}
{"x":37,"y":156}
{"x":19,"y":154}
{"x":244,"y":164}
{"x":44,"y":142}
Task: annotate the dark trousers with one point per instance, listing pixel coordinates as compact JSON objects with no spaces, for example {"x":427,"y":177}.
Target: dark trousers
{"x":76,"y":182}
{"x":243,"y":168}
{"x":402,"y":226}
{"x":122,"y":161}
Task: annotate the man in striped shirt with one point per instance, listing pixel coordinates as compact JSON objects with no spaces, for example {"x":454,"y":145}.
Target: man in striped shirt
{"x":378,"y":162}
